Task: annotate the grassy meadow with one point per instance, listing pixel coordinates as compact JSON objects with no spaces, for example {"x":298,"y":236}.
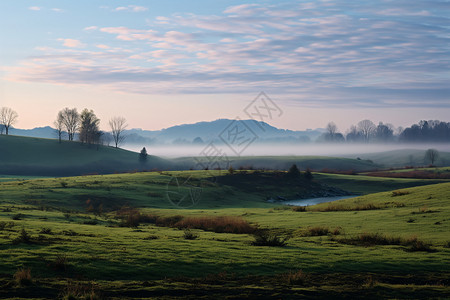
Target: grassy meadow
{"x":118,"y":236}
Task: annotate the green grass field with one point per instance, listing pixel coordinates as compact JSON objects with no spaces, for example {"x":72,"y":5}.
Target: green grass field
{"x":74,"y":248}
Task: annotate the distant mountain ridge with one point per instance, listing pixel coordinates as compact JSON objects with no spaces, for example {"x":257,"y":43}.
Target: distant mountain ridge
{"x":202,"y":132}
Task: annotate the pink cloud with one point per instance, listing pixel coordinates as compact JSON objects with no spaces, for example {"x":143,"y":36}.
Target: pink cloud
{"x":72,"y":43}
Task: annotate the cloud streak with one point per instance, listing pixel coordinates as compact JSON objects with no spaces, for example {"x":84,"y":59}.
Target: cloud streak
{"x":376,"y":53}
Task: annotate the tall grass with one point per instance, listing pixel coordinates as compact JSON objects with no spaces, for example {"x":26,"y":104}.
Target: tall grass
{"x":219,"y":224}
{"x":373,"y":239}
{"x":23,"y":276}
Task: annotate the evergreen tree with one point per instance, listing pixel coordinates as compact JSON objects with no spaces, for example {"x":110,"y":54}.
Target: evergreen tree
{"x":143,"y":155}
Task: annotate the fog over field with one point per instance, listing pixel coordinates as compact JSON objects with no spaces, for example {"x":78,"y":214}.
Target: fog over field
{"x":258,"y":149}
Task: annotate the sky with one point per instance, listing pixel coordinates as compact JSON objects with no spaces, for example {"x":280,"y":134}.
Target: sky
{"x":164,"y":63}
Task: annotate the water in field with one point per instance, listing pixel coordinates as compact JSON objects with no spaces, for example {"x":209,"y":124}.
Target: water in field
{"x":313,"y":201}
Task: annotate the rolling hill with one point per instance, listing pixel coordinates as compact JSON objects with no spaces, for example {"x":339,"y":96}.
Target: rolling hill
{"x":46,"y":157}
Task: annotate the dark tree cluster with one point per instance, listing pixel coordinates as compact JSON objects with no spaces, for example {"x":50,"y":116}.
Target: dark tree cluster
{"x":427,"y":131}
{"x":363,"y":132}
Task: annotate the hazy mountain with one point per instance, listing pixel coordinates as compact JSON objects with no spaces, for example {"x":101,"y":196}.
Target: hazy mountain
{"x":212,"y":131}
{"x":42,"y":132}
{"x":204,"y":132}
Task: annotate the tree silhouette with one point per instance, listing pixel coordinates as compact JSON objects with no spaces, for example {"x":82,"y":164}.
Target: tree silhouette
{"x":7,"y":118}
{"x":118,"y":126}
{"x":143,"y":155}
{"x":431,"y":155}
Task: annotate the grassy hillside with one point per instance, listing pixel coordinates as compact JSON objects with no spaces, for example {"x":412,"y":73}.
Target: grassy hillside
{"x":405,"y":157}
{"x":216,"y":189}
{"x":362,"y":185}
{"x":397,"y":247}
{"x":46,"y":157}
{"x":36,"y":156}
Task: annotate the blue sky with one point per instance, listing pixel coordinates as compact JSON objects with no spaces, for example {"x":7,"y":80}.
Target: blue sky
{"x":162,"y":63}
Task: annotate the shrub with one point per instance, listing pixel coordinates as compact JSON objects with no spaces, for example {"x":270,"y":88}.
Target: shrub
{"x":264,"y":238}
{"x":399,"y":193}
{"x":297,"y":278}
{"x":23,"y":276}
{"x":299,"y":208}
{"x":340,"y":207}
{"x":317,"y":231}
{"x":418,"y":245}
{"x":372,"y":239}
{"x":231,"y":170}
{"x":321,"y":231}
{"x":45,"y":230}
{"x":69,"y":232}
{"x":63,"y":184}
{"x":60,"y":263}
{"x":293,"y":172}
{"x":189,"y":235}
{"x":17,"y":216}
{"x":308,"y":175}
{"x":80,"y":291}
{"x":220,"y":224}
{"x":90,"y":222}
{"x":24,"y":237}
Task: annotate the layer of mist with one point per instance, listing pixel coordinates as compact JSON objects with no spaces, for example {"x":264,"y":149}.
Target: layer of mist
{"x":258,"y":149}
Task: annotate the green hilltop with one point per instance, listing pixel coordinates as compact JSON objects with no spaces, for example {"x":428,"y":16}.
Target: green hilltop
{"x":47,"y":157}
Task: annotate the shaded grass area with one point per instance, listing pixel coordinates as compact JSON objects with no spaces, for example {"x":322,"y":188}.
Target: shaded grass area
{"x":291,"y":285}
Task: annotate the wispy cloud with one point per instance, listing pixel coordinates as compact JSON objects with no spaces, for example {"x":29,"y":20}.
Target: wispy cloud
{"x":35,"y":8}
{"x":338,"y":53}
{"x":132,"y":8}
{"x":72,"y":43}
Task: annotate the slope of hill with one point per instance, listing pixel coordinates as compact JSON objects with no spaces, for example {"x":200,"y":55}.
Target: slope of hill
{"x":36,"y":156}
{"x":46,"y":157}
{"x":405,"y":157}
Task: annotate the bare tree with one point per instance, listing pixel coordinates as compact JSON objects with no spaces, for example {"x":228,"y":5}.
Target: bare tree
{"x":59,"y":125}
{"x":71,"y":121}
{"x":118,"y":126}
{"x":431,"y":155}
{"x":366,"y":128}
{"x":331,"y":129}
{"x":7,"y":118}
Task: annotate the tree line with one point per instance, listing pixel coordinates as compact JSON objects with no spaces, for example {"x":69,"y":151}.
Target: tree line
{"x":70,"y":122}
{"x":366,"y":131}
{"x":87,"y":125}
